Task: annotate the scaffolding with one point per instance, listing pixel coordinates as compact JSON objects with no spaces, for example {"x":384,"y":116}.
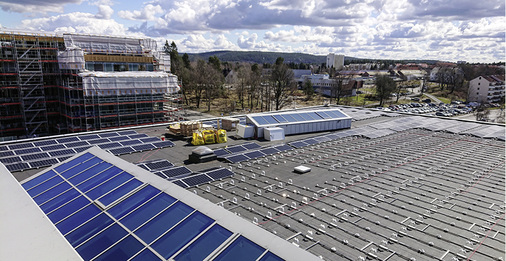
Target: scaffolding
{"x":73,"y":83}
{"x":27,"y":62}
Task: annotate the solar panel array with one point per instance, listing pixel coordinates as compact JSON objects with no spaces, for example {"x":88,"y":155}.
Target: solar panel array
{"x":106,"y":213}
{"x":302,"y":116}
{"x":389,"y":127}
{"x":255,"y":153}
{"x":30,"y":155}
{"x":165,"y":169}
{"x":203,"y":178}
{"x":224,"y":152}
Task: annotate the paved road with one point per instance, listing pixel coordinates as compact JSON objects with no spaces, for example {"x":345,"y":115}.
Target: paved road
{"x":432,"y":97}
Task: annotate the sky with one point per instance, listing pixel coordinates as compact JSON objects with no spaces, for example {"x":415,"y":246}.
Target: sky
{"x":447,"y":30}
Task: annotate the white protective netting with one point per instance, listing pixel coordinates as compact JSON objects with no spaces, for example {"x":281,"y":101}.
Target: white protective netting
{"x":71,"y":58}
{"x":128,"y":83}
{"x":107,"y":44}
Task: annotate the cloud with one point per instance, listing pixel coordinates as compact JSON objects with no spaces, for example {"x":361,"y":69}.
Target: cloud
{"x":35,"y":6}
{"x":148,"y":13}
{"x":104,"y":12}
{"x":455,"y":9}
{"x":386,"y":29}
{"x":75,"y":23}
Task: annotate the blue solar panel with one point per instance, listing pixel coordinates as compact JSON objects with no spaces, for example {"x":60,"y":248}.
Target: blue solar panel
{"x":121,"y":151}
{"x":176,"y":238}
{"x":143,"y":147}
{"x":298,"y":144}
{"x":297,"y":117}
{"x":17,"y":166}
{"x":27,"y":151}
{"x":205,"y":244}
{"x":35,"y":156}
{"x":336,"y":114}
{"x":236,"y":158}
{"x":323,"y":115}
{"x":164,"y":221}
{"x":270,"y":119}
{"x":269,"y":151}
{"x":3,"y":148}
{"x":180,"y":183}
{"x":220,"y":152}
{"x":119,"y":138}
{"x":89,"y":137}
{"x":283,"y":147}
{"x":289,"y":118}
{"x":279,"y":118}
{"x":57,"y":153}
{"x":67,"y":140}
{"x":81,"y":149}
{"x":77,"y":144}
{"x":251,"y":146}
{"x":235,"y":149}
{"x":53,"y":147}
{"x":163,"y":144}
{"x":81,"y":195}
{"x":260,"y":120}
{"x":196,"y":180}
{"x":44,"y":143}
{"x":6,"y":153}
{"x":176,"y":172}
{"x":21,"y":146}
{"x":98,"y":141}
{"x":130,"y":142}
{"x":158,"y":164}
{"x":241,"y":249}
{"x":254,"y":154}
{"x":109,"y":145}
{"x":220,"y":173}
{"x":43,"y":163}
{"x":10,"y":160}
{"x":311,"y":141}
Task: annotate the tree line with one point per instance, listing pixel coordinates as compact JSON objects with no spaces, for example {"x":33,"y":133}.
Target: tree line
{"x":204,"y":81}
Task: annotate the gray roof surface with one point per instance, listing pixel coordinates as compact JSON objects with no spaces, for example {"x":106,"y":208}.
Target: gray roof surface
{"x":393,"y":187}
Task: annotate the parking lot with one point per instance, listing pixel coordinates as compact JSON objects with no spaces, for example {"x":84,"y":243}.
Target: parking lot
{"x":432,"y":109}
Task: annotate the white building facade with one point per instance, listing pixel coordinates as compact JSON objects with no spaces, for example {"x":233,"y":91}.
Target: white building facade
{"x":486,"y":89}
{"x":335,"y":60}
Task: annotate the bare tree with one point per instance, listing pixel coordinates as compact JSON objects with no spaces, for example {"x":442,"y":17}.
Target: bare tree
{"x":339,"y":82}
{"x":254,"y":83}
{"x":282,"y":80}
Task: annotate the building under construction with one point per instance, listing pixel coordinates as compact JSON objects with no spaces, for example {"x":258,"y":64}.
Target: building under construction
{"x":54,"y":84}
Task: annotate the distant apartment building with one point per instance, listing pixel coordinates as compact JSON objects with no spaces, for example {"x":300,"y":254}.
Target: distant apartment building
{"x":335,"y":60}
{"x":52,"y":84}
{"x":486,"y":89}
{"x":327,"y":86}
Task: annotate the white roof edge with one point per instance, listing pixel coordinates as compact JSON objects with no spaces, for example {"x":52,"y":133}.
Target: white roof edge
{"x":26,"y":232}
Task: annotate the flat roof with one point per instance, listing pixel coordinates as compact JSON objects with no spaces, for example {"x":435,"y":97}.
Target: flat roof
{"x":394,"y":186}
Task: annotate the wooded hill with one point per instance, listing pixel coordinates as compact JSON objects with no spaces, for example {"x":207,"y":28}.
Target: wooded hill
{"x":260,"y":57}
{"x":296,"y":58}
